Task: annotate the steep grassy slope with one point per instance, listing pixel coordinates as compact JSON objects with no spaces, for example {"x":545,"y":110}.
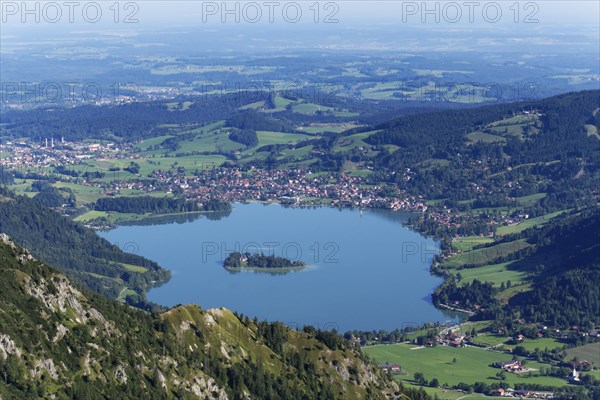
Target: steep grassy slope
{"x":57,"y":342}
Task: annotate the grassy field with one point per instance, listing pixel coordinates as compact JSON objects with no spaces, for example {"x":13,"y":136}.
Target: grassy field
{"x":467,"y":327}
{"x":385,"y":90}
{"x":126,"y":293}
{"x":495,"y":274}
{"x":147,"y":143}
{"x":280,"y":104}
{"x":210,"y":141}
{"x":347,"y":143}
{"x":268,"y":137}
{"x":134,"y":268}
{"x":589,"y":352}
{"x":468,"y":242}
{"x":490,"y":340}
{"x":542,"y":343}
{"x":472,"y":364}
{"x":83,"y":194}
{"x":333,"y":127}
{"x":175,"y":106}
{"x":309,"y":108}
{"x":485,"y":255}
{"x":529,"y":344}
{"x":253,"y":106}
{"x":91,"y":215}
{"x":167,"y":163}
{"x":505,"y":295}
{"x":297,"y":154}
{"x":595,"y":373}
{"x":23,"y":187}
{"x":528,"y":223}
{"x":363,"y":173}
{"x":531,"y":199}
{"x":444,"y":394}
{"x":478,"y":136}
{"x":515,"y":126}
{"x":119,"y":217}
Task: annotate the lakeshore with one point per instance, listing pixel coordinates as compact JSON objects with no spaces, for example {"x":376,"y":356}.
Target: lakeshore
{"x":330,"y":241}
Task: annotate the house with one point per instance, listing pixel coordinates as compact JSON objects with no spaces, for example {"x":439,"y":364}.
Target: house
{"x":506,"y":364}
{"x":391,"y":368}
{"x":580,"y":364}
{"x":514,"y":366}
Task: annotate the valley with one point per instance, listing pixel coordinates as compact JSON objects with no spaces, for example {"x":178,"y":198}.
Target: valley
{"x":364,"y":200}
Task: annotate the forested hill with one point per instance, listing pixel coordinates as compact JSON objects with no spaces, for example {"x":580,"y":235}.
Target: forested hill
{"x":566,"y":290}
{"x":76,"y":250}
{"x":59,"y":343}
{"x":562,"y":115}
{"x":452,"y":153}
{"x":563,"y":267}
{"x":125,"y":122}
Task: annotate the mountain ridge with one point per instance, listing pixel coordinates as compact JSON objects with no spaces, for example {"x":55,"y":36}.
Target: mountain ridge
{"x":59,"y":342}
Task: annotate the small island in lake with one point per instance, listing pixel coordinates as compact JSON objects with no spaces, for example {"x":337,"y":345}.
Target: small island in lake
{"x":237,"y":261}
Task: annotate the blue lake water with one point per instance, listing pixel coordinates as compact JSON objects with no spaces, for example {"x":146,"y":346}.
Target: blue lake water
{"x":366,"y":270}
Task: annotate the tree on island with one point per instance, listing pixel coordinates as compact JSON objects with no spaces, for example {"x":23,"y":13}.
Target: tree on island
{"x":237,"y":260}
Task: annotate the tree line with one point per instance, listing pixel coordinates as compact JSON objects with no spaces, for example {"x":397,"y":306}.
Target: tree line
{"x":158,"y":205}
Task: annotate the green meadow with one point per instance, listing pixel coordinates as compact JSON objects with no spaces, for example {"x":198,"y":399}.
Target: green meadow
{"x":485,"y":255}
{"x":347,"y":143}
{"x":134,"y":268}
{"x":91,"y":215}
{"x":472,"y":364}
{"x":468,"y":242}
{"x":495,"y":274}
{"x":528,"y":223}
{"x":589,"y":352}
{"x":478,"y":136}
{"x":267,"y":137}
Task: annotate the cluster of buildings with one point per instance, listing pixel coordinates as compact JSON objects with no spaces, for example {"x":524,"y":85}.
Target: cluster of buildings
{"x":514,"y":366}
{"x":292,"y":186}
{"x":509,"y":392}
{"x":42,"y":156}
{"x":26,"y":96}
{"x":394,"y":369}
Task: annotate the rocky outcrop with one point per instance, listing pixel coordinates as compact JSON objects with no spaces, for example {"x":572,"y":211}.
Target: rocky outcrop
{"x":44,"y":365}
{"x":120,"y":374}
{"x":61,"y":331}
{"x":8,"y":347}
{"x":58,"y":295}
{"x":5,"y":239}
{"x":204,"y":388}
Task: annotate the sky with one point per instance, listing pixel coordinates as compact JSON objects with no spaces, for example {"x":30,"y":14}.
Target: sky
{"x":50,"y":16}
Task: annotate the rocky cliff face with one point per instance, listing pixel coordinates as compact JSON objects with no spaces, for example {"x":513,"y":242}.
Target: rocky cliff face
{"x":57,"y":342}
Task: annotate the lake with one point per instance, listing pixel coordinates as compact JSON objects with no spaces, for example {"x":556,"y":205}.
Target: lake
{"x":365,"y":269}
